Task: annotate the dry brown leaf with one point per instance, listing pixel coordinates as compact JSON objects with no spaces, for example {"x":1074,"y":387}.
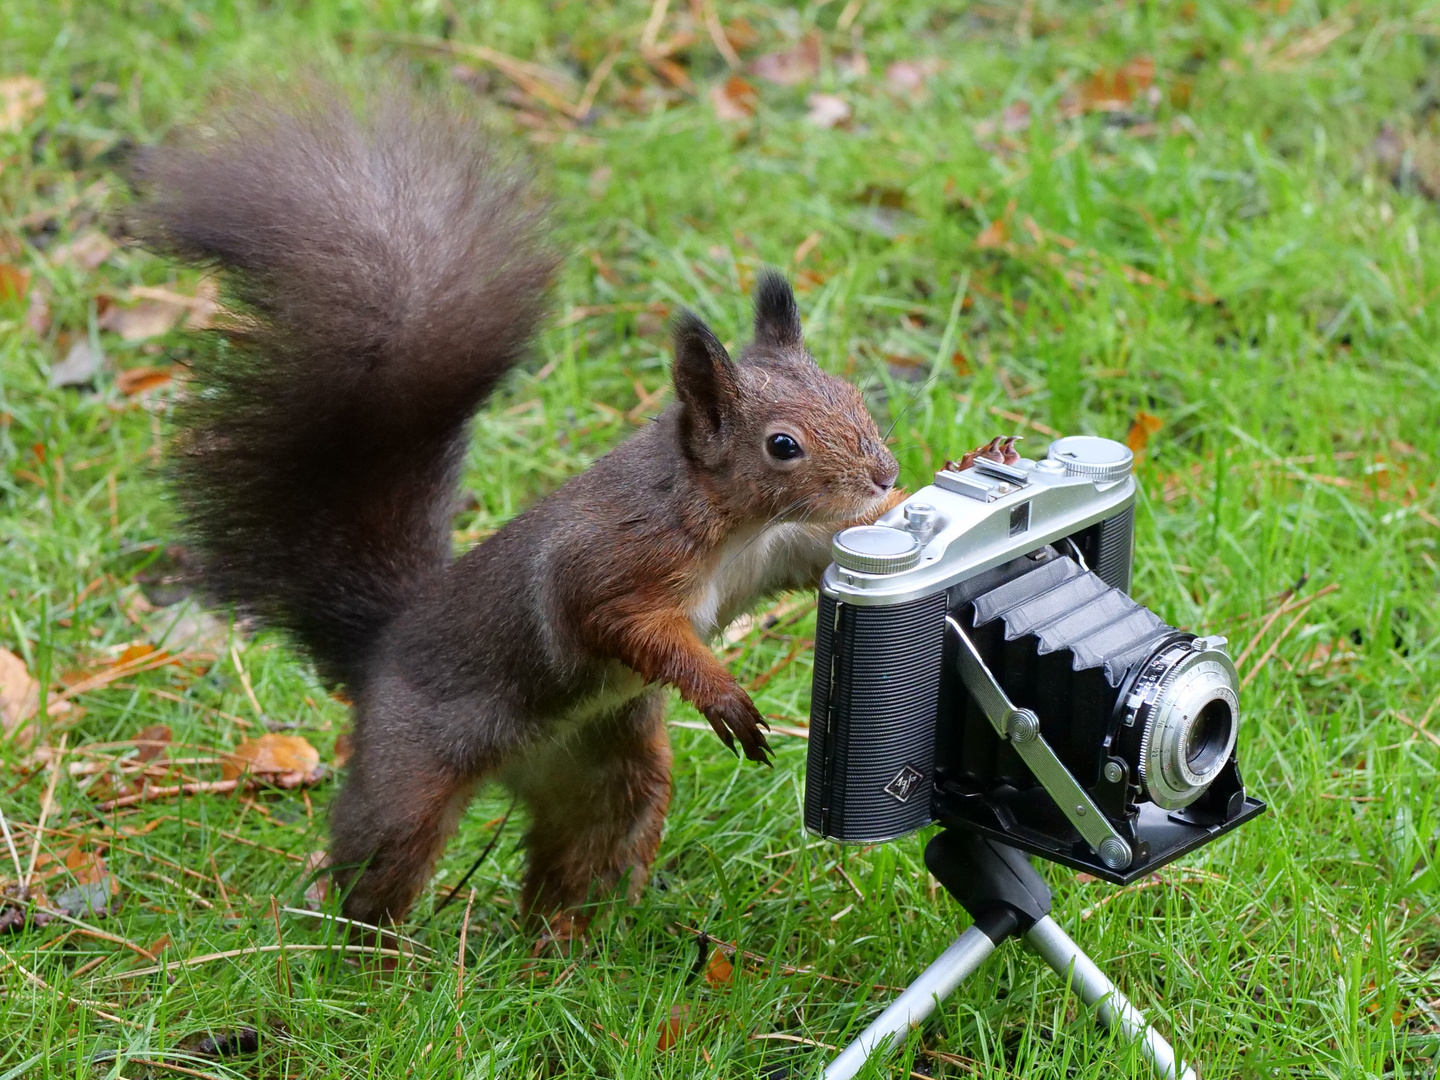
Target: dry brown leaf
{"x":19,"y":696}
{"x":960,"y":363}
{"x":13,"y":283}
{"x":718,"y":969}
{"x":82,"y":363}
{"x":1113,"y":91}
{"x":1144,"y":425}
{"x":993,"y":235}
{"x":734,"y":99}
{"x":87,"y":251}
{"x":133,"y":381}
{"x":20,"y":98}
{"x":790,"y":66}
{"x":150,"y":742}
{"x":88,"y":868}
{"x":287,"y":760}
{"x":674,"y":1028}
{"x":827,"y":110}
{"x":147,"y":319}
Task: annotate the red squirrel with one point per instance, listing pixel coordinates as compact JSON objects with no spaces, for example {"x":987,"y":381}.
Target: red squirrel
{"x":387,"y":267}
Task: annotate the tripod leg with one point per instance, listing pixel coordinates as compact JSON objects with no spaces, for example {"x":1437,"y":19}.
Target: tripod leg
{"x":1057,"y":949}
{"x":887,"y":1033}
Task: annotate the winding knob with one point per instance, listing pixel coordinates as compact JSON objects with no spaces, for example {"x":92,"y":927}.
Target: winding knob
{"x":1097,"y":459}
{"x":875,"y":549}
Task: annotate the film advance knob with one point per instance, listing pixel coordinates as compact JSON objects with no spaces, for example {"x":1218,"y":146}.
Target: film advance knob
{"x":1097,"y":459}
{"x":874,"y":549}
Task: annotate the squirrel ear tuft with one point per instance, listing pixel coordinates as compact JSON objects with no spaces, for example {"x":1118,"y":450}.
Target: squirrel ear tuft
{"x":706,"y":381}
{"x":777,"y":319}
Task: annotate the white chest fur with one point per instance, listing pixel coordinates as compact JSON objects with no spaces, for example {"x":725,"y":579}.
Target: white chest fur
{"x":748,"y":567}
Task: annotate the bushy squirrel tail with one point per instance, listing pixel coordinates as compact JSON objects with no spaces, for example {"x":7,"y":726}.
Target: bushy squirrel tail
{"x":385,"y":267}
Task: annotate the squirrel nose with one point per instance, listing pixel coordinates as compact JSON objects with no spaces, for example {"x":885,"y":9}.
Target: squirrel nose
{"x":884,"y":475}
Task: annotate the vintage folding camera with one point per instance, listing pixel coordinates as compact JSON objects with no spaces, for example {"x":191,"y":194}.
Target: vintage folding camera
{"x":979,"y":662}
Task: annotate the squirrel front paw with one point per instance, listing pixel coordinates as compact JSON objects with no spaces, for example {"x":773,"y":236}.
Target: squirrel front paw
{"x":735,"y":716}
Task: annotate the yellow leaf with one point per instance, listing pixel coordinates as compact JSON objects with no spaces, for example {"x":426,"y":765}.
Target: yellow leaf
{"x":288,"y":756}
{"x":19,"y":694}
{"x":993,"y":235}
{"x":1144,"y":425}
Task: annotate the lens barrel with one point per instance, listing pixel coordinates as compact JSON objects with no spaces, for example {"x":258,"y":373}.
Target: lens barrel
{"x":1185,"y":703}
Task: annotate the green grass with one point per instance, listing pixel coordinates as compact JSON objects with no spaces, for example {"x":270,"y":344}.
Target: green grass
{"x":1225,"y":255}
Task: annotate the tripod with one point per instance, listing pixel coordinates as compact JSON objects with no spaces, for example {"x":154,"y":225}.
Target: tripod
{"x":1007,"y":898}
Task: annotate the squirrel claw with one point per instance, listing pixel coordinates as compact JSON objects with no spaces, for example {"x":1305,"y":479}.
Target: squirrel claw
{"x":735,"y":717}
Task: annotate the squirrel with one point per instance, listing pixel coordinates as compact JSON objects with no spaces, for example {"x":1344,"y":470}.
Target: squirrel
{"x":386,"y":267}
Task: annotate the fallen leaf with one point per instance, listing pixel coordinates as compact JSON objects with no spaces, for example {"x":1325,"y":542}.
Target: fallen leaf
{"x":147,"y":319}
{"x":960,"y":363}
{"x":993,"y":235}
{"x":150,"y":745}
{"x":159,"y":945}
{"x":827,"y":110}
{"x":19,"y":696}
{"x":87,"y":251}
{"x":13,"y":283}
{"x":674,"y":1027}
{"x":718,"y":969}
{"x":734,"y":99}
{"x":790,"y":66}
{"x":1144,"y":425}
{"x":20,"y":98}
{"x":908,"y":77}
{"x":132,"y":381}
{"x":80,"y":366}
{"x":1112,"y":91}
{"x":286,"y":760}
{"x":189,"y":628}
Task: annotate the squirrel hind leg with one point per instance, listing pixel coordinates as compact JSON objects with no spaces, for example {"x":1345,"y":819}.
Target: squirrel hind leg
{"x":388,"y":827}
{"x":597,"y":806}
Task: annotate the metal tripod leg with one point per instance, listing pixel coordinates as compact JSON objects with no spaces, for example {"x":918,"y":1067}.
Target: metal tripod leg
{"x":1114,"y":1009}
{"x":955,"y":965}
{"x":1002,"y":892}
{"x":962,"y":959}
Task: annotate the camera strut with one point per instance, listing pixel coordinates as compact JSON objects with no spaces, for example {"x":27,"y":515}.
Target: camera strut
{"x":1007,"y":898}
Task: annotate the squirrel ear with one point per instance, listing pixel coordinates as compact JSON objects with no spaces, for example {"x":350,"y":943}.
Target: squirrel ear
{"x":705,"y":379}
{"x":777,"y":319}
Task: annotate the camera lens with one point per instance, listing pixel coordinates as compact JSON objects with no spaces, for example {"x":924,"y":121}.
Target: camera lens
{"x":1209,"y":734}
{"x":1186,"y":705}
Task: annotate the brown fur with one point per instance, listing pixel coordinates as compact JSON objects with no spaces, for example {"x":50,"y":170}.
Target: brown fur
{"x":390,"y":259}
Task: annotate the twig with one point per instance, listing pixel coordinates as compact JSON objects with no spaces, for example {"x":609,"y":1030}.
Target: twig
{"x":1283,"y":609}
{"x":532,"y":78}
{"x":10,"y":843}
{"x":31,"y":977}
{"x":780,"y":1036}
{"x":1013,"y":417}
{"x":45,"y":803}
{"x":353,"y":922}
{"x":203,"y":787}
{"x":717,"y":35}
{"x":90,"y":931}
{"x":460,"y":979}
{"x":1423,"y":731}
{"x":597,"y":80}
{"x":282,"y":967}
{"x":1260,"y":664}
{"x":773,"y":729}
{"x":253,"y":950}
{"x":850,"y":881}
{"x":651,"y":34}
{"x":245,"y":682}
{"x":151,"y":660}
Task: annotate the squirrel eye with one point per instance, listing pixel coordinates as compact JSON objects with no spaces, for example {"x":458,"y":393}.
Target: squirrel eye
{"x":783,"y":447}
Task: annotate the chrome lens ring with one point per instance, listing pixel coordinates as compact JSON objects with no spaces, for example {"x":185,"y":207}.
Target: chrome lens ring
{"x":1186,"y":703}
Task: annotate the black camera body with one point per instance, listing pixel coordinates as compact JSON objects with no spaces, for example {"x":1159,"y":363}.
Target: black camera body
{"x":979,"y":662}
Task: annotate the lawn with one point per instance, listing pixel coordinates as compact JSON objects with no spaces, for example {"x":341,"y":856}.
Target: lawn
{"x":1204,"y":227}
